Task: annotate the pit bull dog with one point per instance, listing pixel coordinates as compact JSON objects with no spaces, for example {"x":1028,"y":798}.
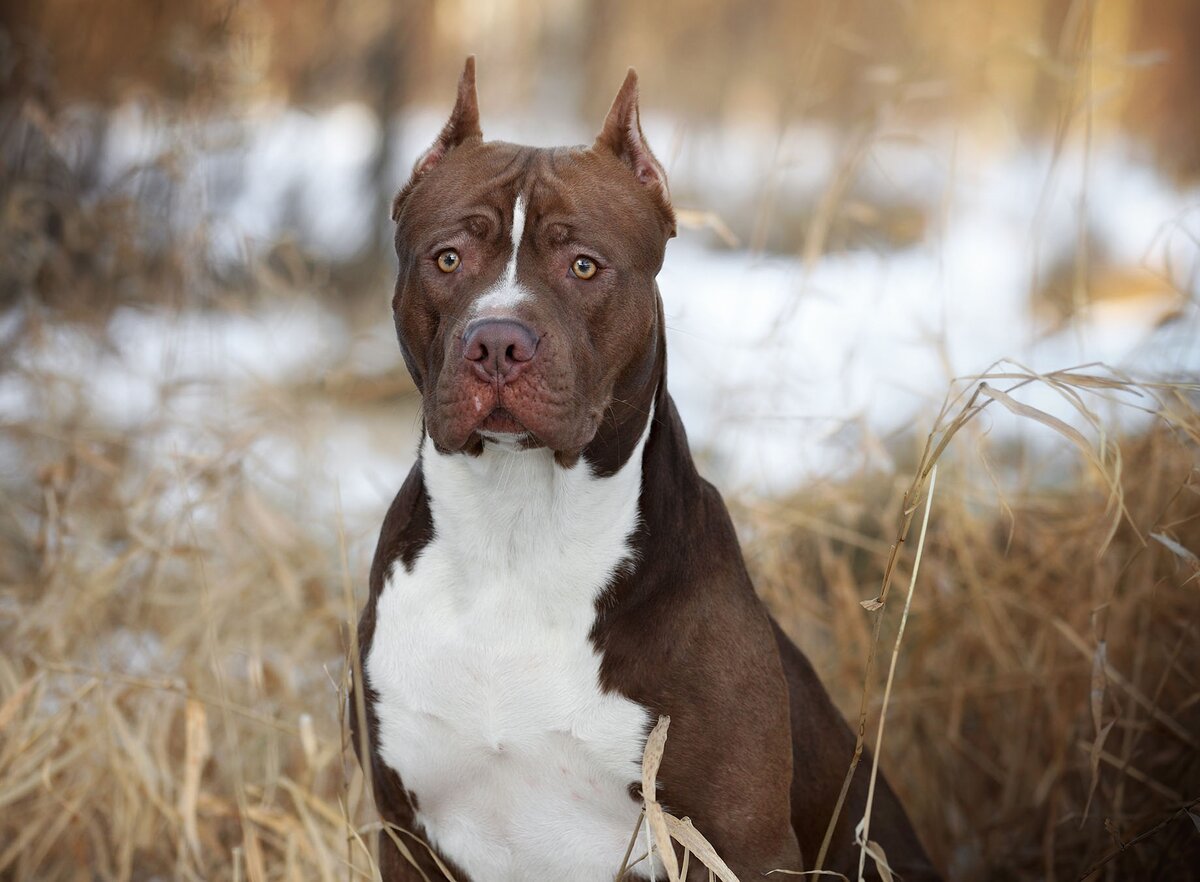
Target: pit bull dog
{"x":555,"y":574}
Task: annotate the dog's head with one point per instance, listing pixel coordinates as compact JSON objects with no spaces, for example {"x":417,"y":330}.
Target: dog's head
{"x":525,"y":303}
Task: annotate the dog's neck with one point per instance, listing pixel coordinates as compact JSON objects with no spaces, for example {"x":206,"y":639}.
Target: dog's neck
{"x":520,"y":510}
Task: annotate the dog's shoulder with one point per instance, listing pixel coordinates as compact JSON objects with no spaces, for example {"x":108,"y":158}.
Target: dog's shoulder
{"x":407,"y":528}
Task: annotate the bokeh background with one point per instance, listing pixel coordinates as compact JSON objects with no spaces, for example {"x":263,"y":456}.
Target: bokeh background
{"x":203,"y":411}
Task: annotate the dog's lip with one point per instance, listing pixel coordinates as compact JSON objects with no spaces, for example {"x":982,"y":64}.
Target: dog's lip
{"x":502,"y":427}
{"x":503,"y":437}
{"x":510,"y":441}
{"x":501,"y":421}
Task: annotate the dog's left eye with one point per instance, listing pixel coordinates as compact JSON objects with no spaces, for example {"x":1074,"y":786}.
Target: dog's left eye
{"x":448,"y":261}
{"x":583,"y":267}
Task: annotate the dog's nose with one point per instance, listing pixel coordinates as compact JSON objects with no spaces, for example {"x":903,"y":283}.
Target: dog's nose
{"x":499,"y":348}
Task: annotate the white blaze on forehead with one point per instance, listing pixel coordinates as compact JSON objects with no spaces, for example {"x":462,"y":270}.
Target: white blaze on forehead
{"x":506,"y":293}
{"x":518,"y":233}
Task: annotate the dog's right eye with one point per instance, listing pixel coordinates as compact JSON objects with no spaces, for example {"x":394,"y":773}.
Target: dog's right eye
{"x":448,"y":261}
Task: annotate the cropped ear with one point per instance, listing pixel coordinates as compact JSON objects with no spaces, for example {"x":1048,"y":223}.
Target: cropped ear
{"x":622,"y":136}
{"x":462,"y":126}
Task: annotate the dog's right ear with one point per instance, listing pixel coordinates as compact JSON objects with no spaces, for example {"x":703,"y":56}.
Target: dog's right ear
{"x":463,"y":125}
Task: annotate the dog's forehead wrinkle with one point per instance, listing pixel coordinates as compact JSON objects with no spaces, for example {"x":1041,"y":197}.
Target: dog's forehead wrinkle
{"x":507,"y":292}
{"x":494,"y":174}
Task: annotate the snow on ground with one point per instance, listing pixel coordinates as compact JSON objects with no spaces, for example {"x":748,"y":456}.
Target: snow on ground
{"x":781,"y":370}
{"x":772,"y":361}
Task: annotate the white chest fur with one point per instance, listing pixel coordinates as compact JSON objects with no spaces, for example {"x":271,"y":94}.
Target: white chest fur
{"x":489,"y":703}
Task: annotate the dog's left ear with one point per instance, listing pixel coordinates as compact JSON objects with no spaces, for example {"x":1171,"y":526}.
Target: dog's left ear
{"x":622,"y":136}
{"x":462,"y":126}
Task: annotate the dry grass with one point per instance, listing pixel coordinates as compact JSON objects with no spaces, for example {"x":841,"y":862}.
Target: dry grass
{"x":173,"y":638}
{"x":1046,"y":712}
{"x":168,"y":704}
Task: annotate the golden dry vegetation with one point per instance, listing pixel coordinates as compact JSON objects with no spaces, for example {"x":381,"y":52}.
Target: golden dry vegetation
{"x":174,"y":637}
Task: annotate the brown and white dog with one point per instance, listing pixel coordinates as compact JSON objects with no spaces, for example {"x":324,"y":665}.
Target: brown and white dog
{"x":554,"y":574}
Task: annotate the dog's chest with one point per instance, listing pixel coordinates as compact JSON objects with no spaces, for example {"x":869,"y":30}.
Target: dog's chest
{"x":489,"y":700}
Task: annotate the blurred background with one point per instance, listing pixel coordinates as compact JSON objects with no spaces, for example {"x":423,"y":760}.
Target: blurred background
{"x":203,"y":411}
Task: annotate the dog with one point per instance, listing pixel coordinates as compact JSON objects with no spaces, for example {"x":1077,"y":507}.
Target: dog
{"x":554,"y":574}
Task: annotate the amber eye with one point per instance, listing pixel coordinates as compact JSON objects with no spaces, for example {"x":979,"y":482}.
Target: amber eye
{"x":583,"y":267}
{"x":448,"y":261}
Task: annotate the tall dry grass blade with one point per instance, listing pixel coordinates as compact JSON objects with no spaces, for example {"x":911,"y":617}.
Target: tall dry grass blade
{"x":1123,"y":847}
{"x":197,"y":750}
{"x":1032,"y":413}
{"x":1187,"y":556}
{"x":372,"y":867}
{"x":393,"y":829}
{"x":13,"y":703}
{"x":685,"y":833}
{"x":1111,"y":474}
{"x":1134,"y":774}
{"x":1170,"y":723}
{"x":887,"y":689}
{"x":699,"y":219}
{"x":176,"y":687}
{"x":255,"y":868}
{"x":318,"y":846}
{"x":663,"y":827}
{"x":637,"y":828}
{"x":405,"y":852}
{"x":18,"y":788}
{"x":878,"y":856}
{"x":652,"y":756}
{"x":1097,"y":693}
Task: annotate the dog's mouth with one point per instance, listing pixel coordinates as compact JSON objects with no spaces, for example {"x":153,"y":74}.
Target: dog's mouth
{"x":517,"y":417}
{"x":501,"y":422}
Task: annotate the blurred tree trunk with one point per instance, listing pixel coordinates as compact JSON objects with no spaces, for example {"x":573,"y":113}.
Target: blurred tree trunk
{"x":387,"y":79}
{"x":1066,"y":44}
{"x":390,"y":78}
{"x":1163,"y":107}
